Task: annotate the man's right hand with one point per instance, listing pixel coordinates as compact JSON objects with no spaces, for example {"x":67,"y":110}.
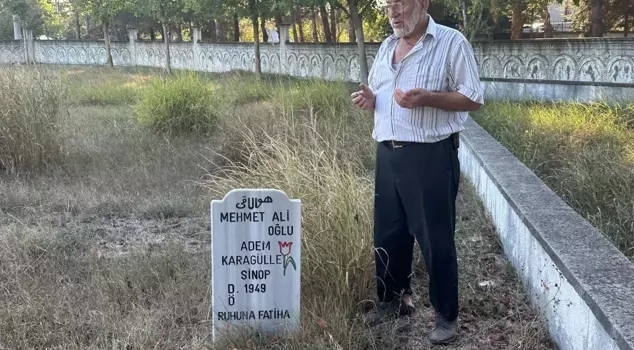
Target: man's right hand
{"x":364,"y":98}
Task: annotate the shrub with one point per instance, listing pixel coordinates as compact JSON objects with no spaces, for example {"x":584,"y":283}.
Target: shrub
{"x":184,"y":104}
{"x":29,"y":119}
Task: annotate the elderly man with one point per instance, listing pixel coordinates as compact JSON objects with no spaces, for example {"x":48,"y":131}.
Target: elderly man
{"x":422,"y":84}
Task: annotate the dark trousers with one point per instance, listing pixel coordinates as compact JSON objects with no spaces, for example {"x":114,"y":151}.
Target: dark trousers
{"x":415,"y":197}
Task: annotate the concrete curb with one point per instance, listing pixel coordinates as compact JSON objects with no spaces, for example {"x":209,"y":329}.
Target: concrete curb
{"x":580,"y":282}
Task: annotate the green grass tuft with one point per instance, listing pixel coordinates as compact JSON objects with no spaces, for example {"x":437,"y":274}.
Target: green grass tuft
{"x":180,"y":105}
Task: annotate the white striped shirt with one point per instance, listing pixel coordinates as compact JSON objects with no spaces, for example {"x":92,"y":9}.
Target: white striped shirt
{"x":441,"y":61}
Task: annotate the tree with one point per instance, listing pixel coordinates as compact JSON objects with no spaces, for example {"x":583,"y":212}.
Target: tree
{"x":475,"y":15}
{"x":355,"y":10}
{"x":166,"y":12}
{"x":31,"y":15}
{"x":517,"y":20}
{"x":104,"y":11}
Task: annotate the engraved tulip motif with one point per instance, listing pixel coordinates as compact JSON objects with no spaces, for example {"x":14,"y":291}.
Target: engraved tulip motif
{"x":285,"y":250}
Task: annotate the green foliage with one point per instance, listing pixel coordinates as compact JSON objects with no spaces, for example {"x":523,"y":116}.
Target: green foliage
{"x":103,"y":10}
{"x":29,"y":120}
{"x":585,"y":153}
{"x":33,"y":14}
{"x":6,"y":25}
{"x":184,"y":104}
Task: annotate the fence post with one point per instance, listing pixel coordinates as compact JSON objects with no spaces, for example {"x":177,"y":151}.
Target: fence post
{"x":30,"y":44}
{"x":284,"y":28}
{"x":17,"y":28}
{"x":196,"y":37}
{"x":132,"y":35}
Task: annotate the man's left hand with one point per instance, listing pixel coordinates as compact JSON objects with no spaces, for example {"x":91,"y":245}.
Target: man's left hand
{"x":410,"y":99}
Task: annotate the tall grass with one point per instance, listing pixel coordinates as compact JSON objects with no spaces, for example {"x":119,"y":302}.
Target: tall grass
{"x":585,"y":153}
{"x":30,"y":114}
{"x":337,"y":209}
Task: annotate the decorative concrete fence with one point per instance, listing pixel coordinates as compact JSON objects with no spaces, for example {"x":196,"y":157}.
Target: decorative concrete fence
{"x":551,"y":69}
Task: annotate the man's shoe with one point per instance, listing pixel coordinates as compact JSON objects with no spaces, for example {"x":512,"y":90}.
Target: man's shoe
{"x":389,"y":310}
{"x":445,"y":331}
{"x":385,"y":311}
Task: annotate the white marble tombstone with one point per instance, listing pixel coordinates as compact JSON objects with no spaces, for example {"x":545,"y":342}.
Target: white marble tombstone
{"x":256,"y":264}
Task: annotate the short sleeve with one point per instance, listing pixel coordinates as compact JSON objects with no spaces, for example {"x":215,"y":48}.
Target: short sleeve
{"x":463,"y":72}
{"x":372,"y":72}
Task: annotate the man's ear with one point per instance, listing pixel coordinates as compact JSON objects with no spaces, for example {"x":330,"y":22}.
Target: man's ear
{"x":426,"y":4}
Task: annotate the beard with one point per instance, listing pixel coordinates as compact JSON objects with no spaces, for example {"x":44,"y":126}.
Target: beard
{"x":409,"y":26}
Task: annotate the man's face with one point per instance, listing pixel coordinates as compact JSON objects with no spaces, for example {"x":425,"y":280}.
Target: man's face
{"x":404,"y":15}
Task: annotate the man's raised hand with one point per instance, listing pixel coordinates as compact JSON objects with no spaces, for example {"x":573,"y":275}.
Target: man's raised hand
{"x":363,"y":98}
{"x":410,"y":99}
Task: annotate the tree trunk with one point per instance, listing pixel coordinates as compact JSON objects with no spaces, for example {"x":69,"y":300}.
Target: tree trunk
{"x":256,"y":37}
{"x":324,"y":23}
{"x":300,"y":26}
{"x":548,"y":27}
{"x":356,"y":20}
{"x":626,"y":26}
{"x":211,"y":29}
{"x":220,"y":31}
{"x":25,"y":44}
{"x":463,"y":8}
{"x":236,"y":28}
{"x":179,"y":33}
{"x":106,"y":37}
{"x":87,"y":24}
{"x":517,"y":21}
{"x":152,"y":34}
{"x":476,"y":26}
{"x":351,"y":32}
{"x":597,"y":17}
{"x":265,"y":35}
{"x":313,"y":15}
{"x":77,"y":25}
{"x":333,"y":24}
{"x":294,"y":30}
{"x":166,"y":40}
{"x":494,"y":12}
{"x":278,"y":21}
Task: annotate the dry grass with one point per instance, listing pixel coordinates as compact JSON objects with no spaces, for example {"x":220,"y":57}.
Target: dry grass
{"x":110,"y":249}
{"x":30,"y":117}
{"x":585,"y":153}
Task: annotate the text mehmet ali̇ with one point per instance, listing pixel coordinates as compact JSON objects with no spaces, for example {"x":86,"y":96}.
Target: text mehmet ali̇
{"x":273,"y":314}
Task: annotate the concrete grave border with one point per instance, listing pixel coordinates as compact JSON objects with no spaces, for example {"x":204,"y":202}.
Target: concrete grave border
{"x":578,"y":280}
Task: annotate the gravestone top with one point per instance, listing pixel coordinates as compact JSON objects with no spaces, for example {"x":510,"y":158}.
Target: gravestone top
{"x":256,"y":264}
